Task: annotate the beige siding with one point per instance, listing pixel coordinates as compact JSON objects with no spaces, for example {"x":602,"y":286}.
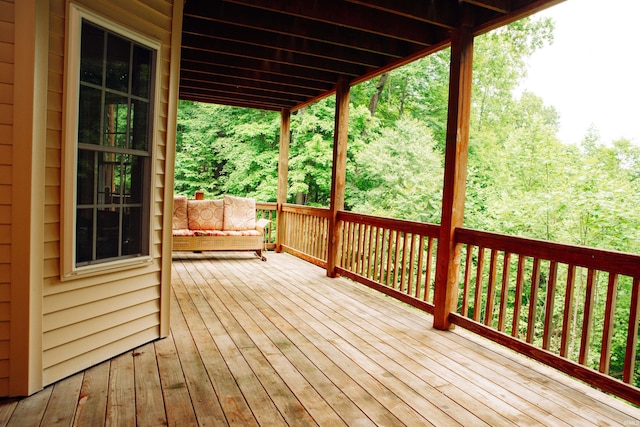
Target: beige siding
{"x":91,"y":319}
{"x":6,"y":140}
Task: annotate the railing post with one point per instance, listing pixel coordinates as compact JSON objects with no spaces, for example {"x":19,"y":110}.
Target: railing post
{"x":283,"y":175}
{"x":455,"y":171}
{"x":338,"y":173}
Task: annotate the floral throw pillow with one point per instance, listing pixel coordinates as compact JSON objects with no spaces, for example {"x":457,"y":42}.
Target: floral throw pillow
{"x":205,"y":214}
{"x":180,"y":220}
{"x":239,"y":213}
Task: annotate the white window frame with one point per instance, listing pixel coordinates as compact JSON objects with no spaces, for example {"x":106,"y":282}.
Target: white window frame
{"x":69,"y":270}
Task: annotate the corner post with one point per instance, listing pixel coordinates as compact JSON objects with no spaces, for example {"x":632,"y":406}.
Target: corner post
{"x":338,"y":173}
{"x":455,"y":172}
{"x":283,"y":175}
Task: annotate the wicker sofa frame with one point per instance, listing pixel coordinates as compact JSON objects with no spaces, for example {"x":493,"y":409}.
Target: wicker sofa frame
{"x":227,"y":242}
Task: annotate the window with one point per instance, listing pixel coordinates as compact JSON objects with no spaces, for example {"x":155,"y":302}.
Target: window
{"x":114,"y":78}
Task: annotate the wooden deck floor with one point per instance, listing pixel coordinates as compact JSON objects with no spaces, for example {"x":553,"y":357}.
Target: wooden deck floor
{"x":279,"y":343}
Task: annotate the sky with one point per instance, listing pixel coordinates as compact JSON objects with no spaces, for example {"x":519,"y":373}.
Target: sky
{"x":591,"y":73}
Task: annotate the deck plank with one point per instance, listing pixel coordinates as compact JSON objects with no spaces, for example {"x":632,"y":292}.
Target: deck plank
{"x":120,"y":411}
{"x":61,"y":408}
{"x":150,"y":409}
{"x":280,"y":343}
{"x":92,"y":402}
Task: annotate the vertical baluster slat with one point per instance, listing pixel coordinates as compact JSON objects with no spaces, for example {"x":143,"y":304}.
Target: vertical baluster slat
{"x":491,"y":288}
{"x":478,"y":293}
{"x":403,"y":264}
{"x":504,"y":290}
{"x":370,"y":248}
{"x":383,"y":250}
{"x":396,"y":258}
{"x":389,"y":254}
{"x":411,"y":264}
{"x":376,"y":255}
{"x":427,"y":275}
{"x":585,"y":340}
{"x":568,"y":307}
{"x":632,"y":333}
{"x":549,"y":303}
{"x":517,"y":304}
{"x":420,"y":264}
{"x":467,"y":281}
{"x":609,"y":318}
{"x":533,"y":300}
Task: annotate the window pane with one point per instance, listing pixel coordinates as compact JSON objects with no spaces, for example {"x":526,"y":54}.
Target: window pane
{"x":141,"y":80}
{"x":116,"y":119}
{"x":136,"y":171}
{"x":106,"y":178}
{"x":84,"y":235}
{"x":85,"y":177}
{"x":107,"y":235}
{"x":89,"y":115}
{"x":140,"y":118}
{"x":118,"y":54}
{"x":92,"y":54}
{"x":131,"y":231}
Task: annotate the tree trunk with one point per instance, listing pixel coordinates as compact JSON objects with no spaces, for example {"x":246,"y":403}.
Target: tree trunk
{"x":373,"y":104}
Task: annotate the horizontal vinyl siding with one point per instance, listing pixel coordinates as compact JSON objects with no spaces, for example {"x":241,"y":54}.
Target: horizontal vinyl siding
{"x":6,"y":154}
{"x":88,"y":320}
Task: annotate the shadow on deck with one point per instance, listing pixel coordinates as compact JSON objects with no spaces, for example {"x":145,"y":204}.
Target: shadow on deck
{"x":279,"y":343}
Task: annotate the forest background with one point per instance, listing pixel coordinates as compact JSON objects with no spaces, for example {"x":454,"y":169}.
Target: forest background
{"x":522,"y":180}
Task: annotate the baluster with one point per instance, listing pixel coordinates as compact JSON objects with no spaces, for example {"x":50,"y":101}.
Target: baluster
{"x":478,"y":292}
{"x":403,"y":270}
{"x":515,"y":327}
{"x":420,"y":264}
{"x":533,"y":301}
{"x":376,"y":256}
{"x":632,"y":333}
{"x":396,"y":258}
{"x":427,"y":276}
{"x":411,"y":264}
{"x":467,"y":281}
{"x":370,"y":247}
{"x":389,"y":253}
{"x":568,"y":307}
{"x":607,"y":332}
{"x":504,"y":290}
{"x":583,"y":358}
{"x":491,"y":288}
{"x":550,"y":300}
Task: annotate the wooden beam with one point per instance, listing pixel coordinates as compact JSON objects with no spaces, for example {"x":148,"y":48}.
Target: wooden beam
{"x":338,"y":172}
{"x":283,"y":175}
{"x":455,"y":170}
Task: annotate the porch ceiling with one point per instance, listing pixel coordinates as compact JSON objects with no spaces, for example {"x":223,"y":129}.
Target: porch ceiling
{"x":278,"y":54}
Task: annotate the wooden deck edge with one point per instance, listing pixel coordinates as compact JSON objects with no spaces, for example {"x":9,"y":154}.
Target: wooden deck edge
{"x":573,"y":369}
{"x":407,"y":299}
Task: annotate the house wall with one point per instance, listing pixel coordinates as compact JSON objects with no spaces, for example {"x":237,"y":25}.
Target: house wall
{"x":6,"y":140}
{"x":88,"y":320}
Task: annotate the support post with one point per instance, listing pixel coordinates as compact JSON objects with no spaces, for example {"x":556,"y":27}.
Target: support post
{"x":283,"y":175}
{"x":455,"y":172}
{"x":338,"y":173}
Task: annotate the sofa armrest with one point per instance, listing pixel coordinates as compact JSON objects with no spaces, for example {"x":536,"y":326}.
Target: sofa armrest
{"x":261,"y":224}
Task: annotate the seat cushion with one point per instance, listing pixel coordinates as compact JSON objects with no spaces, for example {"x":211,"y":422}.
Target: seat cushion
{"x":184,"y":232}
{"x":239,"y":213}
{"x":205,"y":214}
{"x":180,"y":220}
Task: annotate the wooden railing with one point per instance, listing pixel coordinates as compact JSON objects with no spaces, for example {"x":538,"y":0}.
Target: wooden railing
{"x":542,"y":299}
{"x":306,"y":232}
{"x":393,"y":256}
{"x":268,"y":210}
{"x":539,"y":298}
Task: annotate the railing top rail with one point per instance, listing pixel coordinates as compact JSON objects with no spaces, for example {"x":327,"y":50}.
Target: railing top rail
{"x":266,"y":205}
{"x":306,"y":210}
{"x":415,"y":227}
{"x":598,"y":259}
